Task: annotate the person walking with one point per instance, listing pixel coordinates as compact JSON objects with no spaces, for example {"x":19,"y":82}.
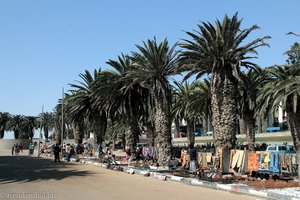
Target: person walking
{"x":193,"y":158}
{"x":56,"y":153}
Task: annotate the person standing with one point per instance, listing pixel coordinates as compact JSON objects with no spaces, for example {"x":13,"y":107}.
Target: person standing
{"x":21,"y":148}
{"x":193,"y":158}
{"x":31,"y":149}
{"x":68,"y":152}
{"x":13,"y":150}
{"x":56,"y":153}
{"x":99,"y":150}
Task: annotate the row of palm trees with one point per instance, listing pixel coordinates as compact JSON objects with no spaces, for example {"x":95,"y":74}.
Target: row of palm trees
{"x":137,"y":93}
{"x":23,"y":126}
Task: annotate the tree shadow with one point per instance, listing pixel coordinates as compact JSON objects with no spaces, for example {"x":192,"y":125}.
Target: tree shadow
{"x":28,"y":169}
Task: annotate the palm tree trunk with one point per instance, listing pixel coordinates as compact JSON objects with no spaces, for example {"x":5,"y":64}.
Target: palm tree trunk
{"x":114,"y":144}
{"x":224,"y":109}
{"x":78,"y":133}
{"x":204,"y":125}
{"x":242,"y":126}
{"x":264,"y":123}
{"x":46,"y":133}
{"x":258,"y":120}
{"x":249,"y":121}
{"x":99,"y":128}
{"x":163,"y":128}
{"x":1,"y":134}
{"x":152,"y":133}
{"x":293,"y":125}
{"x":132,"y":135}
{"x":177,"y":126}
{"x":58,"y":137}
{"x":16,"y":133}
{"x":131,"y":143}
{"x":30,"y":135}
{"x":190,"y":130}
{"x":124,"y":141}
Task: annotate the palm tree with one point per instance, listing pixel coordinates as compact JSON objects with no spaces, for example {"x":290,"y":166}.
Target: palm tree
{"x":80,"y":108}
{"x":247,"y":95}
{"x":183,"y":93}
{"x":15,"y":124}
{"x":279,"y":91}
{"x":46,"y":120}
{"x":30,"y":123}
{"x":200,"y":102}
{"x":122,"y":102}
{"x":220,"y":50}
{"x":116,"y":131}
{"x":153,"y":65}
{"x":4,"y":119}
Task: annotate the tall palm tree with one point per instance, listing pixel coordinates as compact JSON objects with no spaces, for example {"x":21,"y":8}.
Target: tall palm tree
{"x":15,"y":124}
{"x":279,"y":91}
{"x":80,"y":107}
{"x":123,"y":101}
{"x":4,"y":119}
{"x":153,"y":66}
{"x":221,"y":51}
{"x":247,"y":95}
{"x":30,"y":123}
{"x":46,"y":120}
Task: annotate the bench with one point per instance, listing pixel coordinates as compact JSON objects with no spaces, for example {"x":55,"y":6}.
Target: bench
{"x":273,"y":129}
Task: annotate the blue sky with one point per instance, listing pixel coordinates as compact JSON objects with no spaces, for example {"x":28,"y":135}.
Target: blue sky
{"x":45,"y":45}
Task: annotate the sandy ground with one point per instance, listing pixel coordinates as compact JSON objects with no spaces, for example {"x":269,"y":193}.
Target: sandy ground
{"x":23,"y":177}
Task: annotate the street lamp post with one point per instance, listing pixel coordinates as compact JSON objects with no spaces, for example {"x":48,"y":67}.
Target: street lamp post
{"x":40,"y":134}
{"x":62,"y":122}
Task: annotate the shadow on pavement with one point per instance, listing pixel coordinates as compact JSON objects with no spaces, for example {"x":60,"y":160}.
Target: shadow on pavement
{"x":27,"y":169}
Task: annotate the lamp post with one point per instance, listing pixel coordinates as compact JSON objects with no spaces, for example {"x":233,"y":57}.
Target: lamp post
{"x":40,"y":134}
{"x":62,"y":122}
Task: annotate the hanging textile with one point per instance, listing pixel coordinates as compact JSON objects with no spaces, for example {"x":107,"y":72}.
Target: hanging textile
{"x":209,"y":157}
{"x":241,"y":158}
{"x":235,"y":159}
{"x":252,"y":161}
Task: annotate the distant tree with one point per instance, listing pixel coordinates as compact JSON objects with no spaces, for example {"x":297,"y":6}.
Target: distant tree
{"x":46,"y":120}
{"x":30,"y":123}
{"x":15,"y":124}
{"x":4,"y":119}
